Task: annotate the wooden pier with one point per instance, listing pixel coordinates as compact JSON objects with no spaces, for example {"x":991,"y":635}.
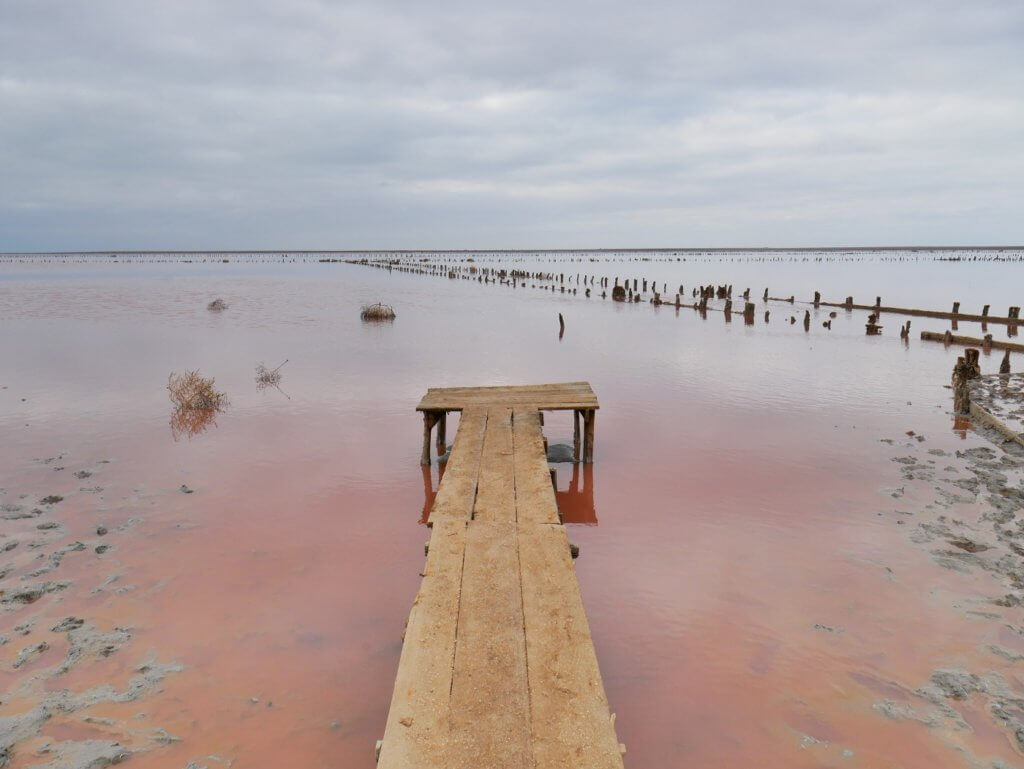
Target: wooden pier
{"x":498,"y":668}
{"x":577,"y":396}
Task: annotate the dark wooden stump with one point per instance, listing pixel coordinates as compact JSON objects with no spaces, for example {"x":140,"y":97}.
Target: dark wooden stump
{"x":961,"y":387}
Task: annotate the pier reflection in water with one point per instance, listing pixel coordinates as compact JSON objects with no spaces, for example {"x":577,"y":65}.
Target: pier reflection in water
{"x":576,"y":503}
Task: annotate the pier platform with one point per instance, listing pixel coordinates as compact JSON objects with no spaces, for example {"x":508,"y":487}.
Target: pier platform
{"x":498,"y":668}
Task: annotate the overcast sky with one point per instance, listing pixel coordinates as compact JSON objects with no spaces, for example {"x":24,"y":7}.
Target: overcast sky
{"x":157,"y":124}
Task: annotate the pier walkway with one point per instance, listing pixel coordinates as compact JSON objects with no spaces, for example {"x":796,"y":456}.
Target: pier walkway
{"x":498,"y":668}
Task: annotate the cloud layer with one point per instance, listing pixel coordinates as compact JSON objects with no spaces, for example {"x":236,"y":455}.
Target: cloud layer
{"x":306,"y":124}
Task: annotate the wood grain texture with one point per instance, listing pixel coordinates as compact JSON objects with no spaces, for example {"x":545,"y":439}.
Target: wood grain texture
{"x":566,"y":395}
{"x":535,"y":497}
{"x":498,"y":667}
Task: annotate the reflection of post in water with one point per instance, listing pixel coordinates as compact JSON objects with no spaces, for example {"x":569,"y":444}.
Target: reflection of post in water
{"x":576,"y":504}
{"x":429,"y":491}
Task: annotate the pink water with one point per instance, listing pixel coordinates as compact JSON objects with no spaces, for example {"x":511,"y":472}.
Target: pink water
{"x":736,"y":494}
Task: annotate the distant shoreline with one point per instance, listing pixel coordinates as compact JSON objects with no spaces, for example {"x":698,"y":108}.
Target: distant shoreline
{"x":502,"y":251}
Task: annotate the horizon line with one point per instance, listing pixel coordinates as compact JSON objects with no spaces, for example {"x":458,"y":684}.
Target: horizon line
{"x":385,"y":251}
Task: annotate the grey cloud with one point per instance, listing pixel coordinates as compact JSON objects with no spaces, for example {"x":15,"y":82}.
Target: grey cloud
{"x":406,"y":124}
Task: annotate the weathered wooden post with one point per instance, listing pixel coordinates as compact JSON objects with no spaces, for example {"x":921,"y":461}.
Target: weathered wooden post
{"x":972,"y":357}
{"x":986,"y":343}
{"x":561,"y":324}
{"x":961,"y":387}
{"x":807,"y":320}
{"x":1004,"y":367}
{"x":767,"y":313}
{"x":849,"y":303}
{"x":878,"y":302}
{"x":956,"y":308}
{"x":429,"y":419}
{"x":984,"y":311}
{"x":728,"y":306}
{"x":442,"y":439}
{"x":748,"y":313}
{"x":576,"y":435}
{"x":765,"y":297}
{"x":947,"y":338}
{"x":817,"y":298}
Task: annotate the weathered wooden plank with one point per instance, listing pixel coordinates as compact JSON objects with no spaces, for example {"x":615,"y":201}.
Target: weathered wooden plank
{"x":552,"y":396}
{"x":498,"y":667}
{"x":490,"y":712}
{"x":496,"y":490}
{"x":535,"y":498}
{"x":998,"y":344}
{"x":416,"y":734}
{"x":458,"y":487}
{"x":570,"y":720}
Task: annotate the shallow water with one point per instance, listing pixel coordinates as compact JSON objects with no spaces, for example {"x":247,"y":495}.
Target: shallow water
{"x":751,"y":592}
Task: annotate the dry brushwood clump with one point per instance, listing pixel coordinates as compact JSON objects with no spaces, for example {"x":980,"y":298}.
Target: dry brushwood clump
{"x":192,"y":392}
{"x":217,"y":305}
{"x":268,"y":377}
{"x":377,"y":312}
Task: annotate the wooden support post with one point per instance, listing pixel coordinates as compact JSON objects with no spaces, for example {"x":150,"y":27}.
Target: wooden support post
{"x":1004,"y":367}
{"x":429,"y":418}
{"x":956,"y":308}
{"x":442,"y":438}
{"x":984,"y":311}
{"x":817,"y":298}
{"x":588,"y":436}
{"x":576,"y":435}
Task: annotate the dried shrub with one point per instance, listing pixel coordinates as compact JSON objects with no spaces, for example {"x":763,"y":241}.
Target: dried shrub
{"x":267,"y":377}
{"x":377,"y":312}
{"x":217,"y":305}
{"x":192,"y":392}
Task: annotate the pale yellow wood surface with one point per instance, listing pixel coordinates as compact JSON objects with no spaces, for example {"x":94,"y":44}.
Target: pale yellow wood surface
{"x":569,"y":716}
{"x":535,"y":497}
{"x":498,"y":668}
{"x":490,"y":710}
{"x":457,"y":491}
{"x":416,"y":734}
{"x":565,"y":395}
{"x":496,"y":491}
